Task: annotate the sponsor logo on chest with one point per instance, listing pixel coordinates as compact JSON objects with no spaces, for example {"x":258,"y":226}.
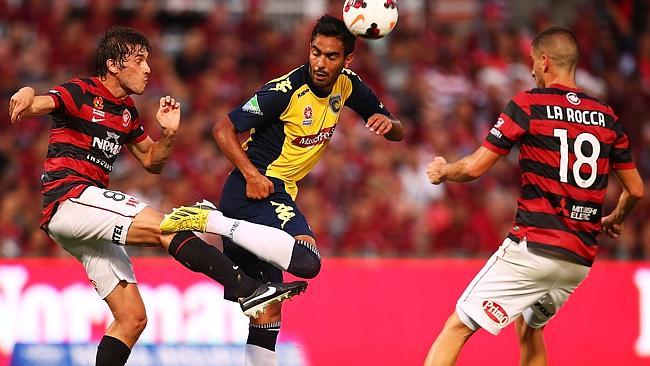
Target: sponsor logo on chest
{"x":110,"y":145}
{"x":321,"y":137}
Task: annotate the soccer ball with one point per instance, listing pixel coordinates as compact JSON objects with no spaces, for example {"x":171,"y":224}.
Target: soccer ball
{"x":371,"y":19}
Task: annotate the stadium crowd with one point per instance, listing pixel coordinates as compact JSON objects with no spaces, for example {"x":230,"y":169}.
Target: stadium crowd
{"x":446,"y":82}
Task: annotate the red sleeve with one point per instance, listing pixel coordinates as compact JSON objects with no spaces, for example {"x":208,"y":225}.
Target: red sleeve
{"x":512,"y":123}
{"x":68,"y":97}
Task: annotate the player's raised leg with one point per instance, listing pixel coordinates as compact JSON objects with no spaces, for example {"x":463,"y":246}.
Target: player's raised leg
{"x":446,"y":348}
{"x":296,"y":256}
{"x":199,"y":256}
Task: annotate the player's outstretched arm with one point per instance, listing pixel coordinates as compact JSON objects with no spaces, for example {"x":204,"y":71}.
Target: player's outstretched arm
{"x":612,"y":224}
{"x":225,"y":134}
{"x":387,"y":126}
{"x":464,"y":170}
{"x":153,"y":155}
{"x":24,"y":103}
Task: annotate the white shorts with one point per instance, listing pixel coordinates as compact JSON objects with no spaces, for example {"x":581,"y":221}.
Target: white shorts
{"x":93,"y":228}
{"x":515,"y":281}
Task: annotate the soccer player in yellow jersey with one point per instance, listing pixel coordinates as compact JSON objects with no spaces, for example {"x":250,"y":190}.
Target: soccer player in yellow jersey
{"x":291,"y":119}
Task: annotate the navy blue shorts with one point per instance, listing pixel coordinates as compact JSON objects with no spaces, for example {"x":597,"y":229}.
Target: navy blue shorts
{"x":278,"y":210}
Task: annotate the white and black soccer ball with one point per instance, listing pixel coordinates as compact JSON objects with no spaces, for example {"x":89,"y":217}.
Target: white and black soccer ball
{"x":370,"y":19}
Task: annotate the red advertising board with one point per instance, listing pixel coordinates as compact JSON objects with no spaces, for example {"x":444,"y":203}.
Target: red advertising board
{"x":356,"y":312}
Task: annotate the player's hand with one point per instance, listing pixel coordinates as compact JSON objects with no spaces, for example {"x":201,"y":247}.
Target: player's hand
{"x":258,"y":187}
{"x":20,"y":103}
{"x":379,"y":124}
{"x":434,"y":170}
{"x":610,"y":227}
{"x":169,"y":115}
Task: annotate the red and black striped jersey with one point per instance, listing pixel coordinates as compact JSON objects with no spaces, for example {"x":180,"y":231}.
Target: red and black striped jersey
{"x":568,"y":142}
{"x":89,"y":127}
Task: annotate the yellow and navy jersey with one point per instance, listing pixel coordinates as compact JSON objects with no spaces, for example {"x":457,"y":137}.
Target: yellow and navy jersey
{"x":291,"y":121}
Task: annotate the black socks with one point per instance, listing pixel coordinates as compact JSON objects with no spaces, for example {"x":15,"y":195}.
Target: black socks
{"x":112,"y":352}
{"x":199,"y":256}
{"x":264,"y":335}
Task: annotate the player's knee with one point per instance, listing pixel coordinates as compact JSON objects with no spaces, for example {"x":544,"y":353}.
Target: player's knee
{"x":313,"y":269}
{"x":305,"y":260}
{"x":456,"y":327}
{"x":139,"y":323}
{"x":134,"y":323}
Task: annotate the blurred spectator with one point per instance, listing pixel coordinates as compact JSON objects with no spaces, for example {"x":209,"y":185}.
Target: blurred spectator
{"x":447,"y":78}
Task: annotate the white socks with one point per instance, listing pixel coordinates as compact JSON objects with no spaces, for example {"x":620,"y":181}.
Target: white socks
{"x":267,"y":243}
{"x":260,"y":356}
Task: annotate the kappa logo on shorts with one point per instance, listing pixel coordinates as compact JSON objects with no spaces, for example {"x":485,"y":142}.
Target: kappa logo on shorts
{"x":495,"y":312}
{"x":285,"y":213}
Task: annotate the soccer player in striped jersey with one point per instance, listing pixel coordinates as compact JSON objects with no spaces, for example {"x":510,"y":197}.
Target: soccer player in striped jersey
{"x":92,"y":118}
{"x":569,"y":142}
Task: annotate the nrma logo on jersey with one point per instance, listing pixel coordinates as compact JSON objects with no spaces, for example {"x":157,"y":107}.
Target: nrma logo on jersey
{"x":110,"y":145}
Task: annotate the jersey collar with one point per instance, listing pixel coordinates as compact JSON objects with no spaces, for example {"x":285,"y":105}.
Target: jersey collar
{"x":103,"y":91}
{"x":318,"y":92}
{"x":563,"y":87}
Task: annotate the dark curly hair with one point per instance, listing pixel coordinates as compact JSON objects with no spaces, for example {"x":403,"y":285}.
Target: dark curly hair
{"x":330,"y":26}
{"x":118,"y":43}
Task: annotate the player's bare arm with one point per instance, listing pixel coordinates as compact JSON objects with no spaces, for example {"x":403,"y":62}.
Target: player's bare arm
{"x":153,"y":155}
{"x":387,"y":126}
{"x":24,"y":103}
{"x":612,"y":224}
{"x":257,"y":185}
{"x":464,"y":170}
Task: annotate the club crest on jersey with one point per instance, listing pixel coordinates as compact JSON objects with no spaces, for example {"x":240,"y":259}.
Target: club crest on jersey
{"x":110,"y":145}
{"x":573,"y":98}
{"x":98,"y":103}
{"x":126,"y":117}
{"x":495,"y":312}
{"x":335,"y":103}
{"x":308,"y":114}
